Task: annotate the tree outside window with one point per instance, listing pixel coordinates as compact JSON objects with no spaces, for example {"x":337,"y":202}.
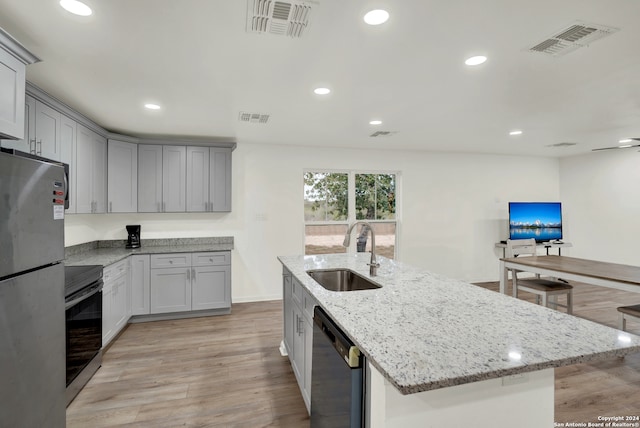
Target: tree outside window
{"x":330,"y":204}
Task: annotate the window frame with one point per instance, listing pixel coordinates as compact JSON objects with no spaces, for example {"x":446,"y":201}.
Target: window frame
{"x":351,"y":201}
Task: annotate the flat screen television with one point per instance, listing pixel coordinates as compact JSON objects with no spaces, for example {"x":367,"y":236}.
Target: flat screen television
{"x":539,"y":220}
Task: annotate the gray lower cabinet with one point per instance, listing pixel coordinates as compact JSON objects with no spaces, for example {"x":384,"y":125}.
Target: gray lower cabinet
{"x":298,"y":332}
{"x":140,"y":284}
{"x":116,"y":308}
{"x":182,"y":282}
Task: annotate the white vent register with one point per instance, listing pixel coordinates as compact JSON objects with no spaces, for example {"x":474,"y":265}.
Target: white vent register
{"x":577,"y":35}
{"x":281,"y":18}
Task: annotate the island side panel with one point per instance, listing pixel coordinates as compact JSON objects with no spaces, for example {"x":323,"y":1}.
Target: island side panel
{"x":525,"y":401}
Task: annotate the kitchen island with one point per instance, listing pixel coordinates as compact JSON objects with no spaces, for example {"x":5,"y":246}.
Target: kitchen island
{"x":441,"y":352}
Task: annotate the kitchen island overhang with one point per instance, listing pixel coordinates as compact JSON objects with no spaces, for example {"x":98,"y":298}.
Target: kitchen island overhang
{"x":422,"y":331}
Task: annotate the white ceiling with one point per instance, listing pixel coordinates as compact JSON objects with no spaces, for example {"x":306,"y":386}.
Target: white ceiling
{"x":195,"y":58}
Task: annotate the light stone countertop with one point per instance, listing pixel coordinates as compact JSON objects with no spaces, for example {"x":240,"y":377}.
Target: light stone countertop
{"x":106,"y":253}
{"x":424,"y":331}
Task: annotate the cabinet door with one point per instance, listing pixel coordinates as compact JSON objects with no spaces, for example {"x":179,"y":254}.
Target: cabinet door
{"x":140,"y":285}
{"x":308,"y":351}
{"x":149,"y":178}
{"x":220,"y":179}
{"x":68,"y":131}
{"x":99,"y":182}
{"x":27,"y":143}
{"x":197,"y":179}
{"x":174,"y":176}
{"x":107,"y":314}
{"x":84,"y":157}
{"x":47,"y":136}
{"x":211,"y":287}
{"x":12,"y":82}
{"x":122,"y":177}
{"x":91,"y":173}
{"x":297,"y":362}
{"x":119,"y":302}
{"x":170,"y":290}
{"x":288,"y":317}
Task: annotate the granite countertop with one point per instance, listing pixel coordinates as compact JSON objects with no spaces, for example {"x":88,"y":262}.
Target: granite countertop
{"x":106,"y":253}
{"x":424,"y":331}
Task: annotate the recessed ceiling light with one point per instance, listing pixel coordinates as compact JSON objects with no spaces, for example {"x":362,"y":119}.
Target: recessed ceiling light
{"x":625,"y":140}
{"x":375,"y":122}
{"x":376,"y":17}
{"x":321,"y":91}
{"x":152,"y":106}
{"x":515,"y":132}
{"x":476,"y":60}
{"x":76,"y":7}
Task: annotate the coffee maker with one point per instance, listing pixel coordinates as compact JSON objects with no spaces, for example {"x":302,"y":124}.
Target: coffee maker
{"x":134,"y":236}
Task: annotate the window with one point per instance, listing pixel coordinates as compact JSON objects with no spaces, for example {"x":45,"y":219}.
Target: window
{"x":333,"y":200}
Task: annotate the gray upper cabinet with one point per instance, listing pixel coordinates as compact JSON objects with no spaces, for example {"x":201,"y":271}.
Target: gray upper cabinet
{"x":91,"y":172}
{"x":174,"y":176}
{"x":47,"y":136}
{"x":161,"y":178}
{"x":197,"y":179}
{"x":149,"y":178}
{"x":13,"y":61}
{"x":42,"y":130}
{"x":68,"y":142}
{"x":208,"y":179}
{"x":122,"y":177}
{"x":220,"y":179}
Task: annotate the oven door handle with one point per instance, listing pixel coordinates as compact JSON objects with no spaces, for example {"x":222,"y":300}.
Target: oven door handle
{"x":90,"y":292}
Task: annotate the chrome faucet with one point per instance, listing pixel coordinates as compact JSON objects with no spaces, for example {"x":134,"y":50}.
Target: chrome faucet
{"x":373,"y":264}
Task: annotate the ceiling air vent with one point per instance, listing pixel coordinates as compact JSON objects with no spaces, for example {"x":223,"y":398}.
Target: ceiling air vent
{"x":578,"y":35}
{"x":383,"y":133}
{"x":282,"y":18}
{"x":253,"y":117}
{"x":566,"y":144}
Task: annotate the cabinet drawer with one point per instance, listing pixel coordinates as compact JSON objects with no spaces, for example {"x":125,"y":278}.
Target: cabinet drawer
{"x":115,"y":270}
{"x":297,"y":292}
{"x":170,"y":260}
{"x":216,"y":258}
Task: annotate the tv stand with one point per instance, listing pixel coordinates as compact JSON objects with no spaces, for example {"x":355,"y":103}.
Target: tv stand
{"x":549,"y":244}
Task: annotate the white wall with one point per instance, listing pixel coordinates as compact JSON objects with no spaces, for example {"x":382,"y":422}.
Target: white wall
{"x":601,"y":201}
{"x":453,"y":208}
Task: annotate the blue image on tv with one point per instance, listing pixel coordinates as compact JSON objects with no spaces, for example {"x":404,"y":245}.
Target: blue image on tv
{"x":539,"y":220}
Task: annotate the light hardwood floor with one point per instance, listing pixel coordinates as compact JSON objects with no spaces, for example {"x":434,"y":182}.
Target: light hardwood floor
{"x":227,"y":371}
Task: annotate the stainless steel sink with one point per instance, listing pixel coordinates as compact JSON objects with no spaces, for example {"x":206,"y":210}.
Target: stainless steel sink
{"x":341,"y":280}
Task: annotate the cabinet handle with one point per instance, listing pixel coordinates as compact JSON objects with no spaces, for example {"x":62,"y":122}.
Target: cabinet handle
{"x":188,"y":274}
{"x":193,"y":274}
{"x":110,"y":206}
{"x":300,"y":326}
{"x":39,"y":152}
{"x":32,"y":150}
{"x":297,"y":325}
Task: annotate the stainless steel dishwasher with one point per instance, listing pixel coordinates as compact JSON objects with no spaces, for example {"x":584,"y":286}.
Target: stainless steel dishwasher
{"x":337,"y":377}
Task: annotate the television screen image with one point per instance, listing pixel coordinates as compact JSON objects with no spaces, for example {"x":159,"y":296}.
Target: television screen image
{"x":539,"y":220}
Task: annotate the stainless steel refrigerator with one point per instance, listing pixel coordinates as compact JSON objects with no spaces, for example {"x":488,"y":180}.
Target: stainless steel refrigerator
{"x":32,"y":314}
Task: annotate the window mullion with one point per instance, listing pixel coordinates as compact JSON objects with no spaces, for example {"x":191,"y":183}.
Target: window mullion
{"x":351,"y":217}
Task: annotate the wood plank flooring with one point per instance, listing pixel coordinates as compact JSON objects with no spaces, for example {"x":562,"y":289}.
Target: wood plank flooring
{"x":227,"y":371}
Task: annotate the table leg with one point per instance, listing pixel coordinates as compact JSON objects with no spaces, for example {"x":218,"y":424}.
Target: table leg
{"x":504,"y":277}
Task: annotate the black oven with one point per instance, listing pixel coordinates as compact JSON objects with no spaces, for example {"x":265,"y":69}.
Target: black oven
{"x":83,"y":302}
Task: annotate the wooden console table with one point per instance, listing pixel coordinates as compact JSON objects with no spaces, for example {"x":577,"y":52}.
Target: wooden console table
{"x":547,"y":245}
